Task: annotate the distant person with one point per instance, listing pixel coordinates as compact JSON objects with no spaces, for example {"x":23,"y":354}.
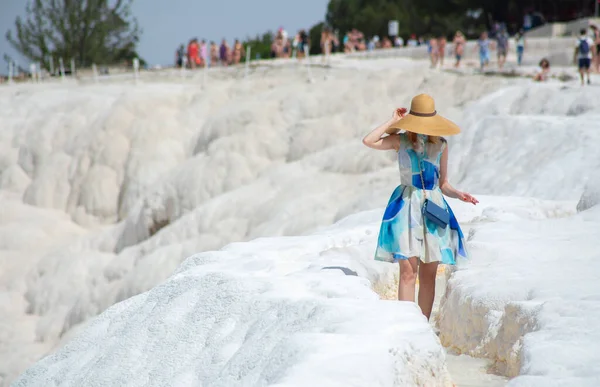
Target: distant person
{"x":203,"y":53}
{"x":279,"y":46}
{"x":373,"y":43}
{"x":237,"y":52}
{"x":596,"y":38}
{"x":283,"y":44}
{"x":377,"y":41}
{"x":432,"y":48}
{"x":544,"y":72}
{"x":214,"y":54}
{"x":419,"y":229}
{"x":326,"y":42}
{"x":484,"y":45}
{"x":459,"y":47}
{"x":194,"y":54}
{"x":295,"y":43}
{"x":189,"y":52}
{"x":442,"y":42}
{"x":520,"y":44}
{"x":346,"y":43}
{"x":412,"y":42}
{"x":495,"y":29}
{"x":283,"y":33}
{"x":336,"y":42}
{"x":583,"y":55}
{"x":273,"y":50}
{"x":502,"y":42}
{"x":304,"y":44}
{"x":527,"y":21}
{"x":387,"y":43}
{"x":287,"y":48}
{"x":179,"y":55}
{"x":358,"y":40}
{"x":399,"y":42}
{"x":224,"y":54}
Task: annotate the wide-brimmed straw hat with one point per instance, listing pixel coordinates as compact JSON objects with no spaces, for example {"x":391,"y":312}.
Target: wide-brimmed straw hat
{"x":423,"y":119}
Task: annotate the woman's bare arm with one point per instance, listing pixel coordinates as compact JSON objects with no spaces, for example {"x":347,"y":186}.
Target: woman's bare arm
{"x":376,"y":141}
{"x":445,"y":185}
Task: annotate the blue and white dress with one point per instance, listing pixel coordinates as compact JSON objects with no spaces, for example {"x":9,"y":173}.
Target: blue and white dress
{"x":401,"y":233}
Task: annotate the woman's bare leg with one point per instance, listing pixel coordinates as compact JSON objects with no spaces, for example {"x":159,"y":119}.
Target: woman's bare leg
{"x":427,"y":273}
{"x":408,"y":279}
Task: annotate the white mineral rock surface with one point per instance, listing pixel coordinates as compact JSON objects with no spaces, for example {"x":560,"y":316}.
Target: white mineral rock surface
{"x":106,"y":189}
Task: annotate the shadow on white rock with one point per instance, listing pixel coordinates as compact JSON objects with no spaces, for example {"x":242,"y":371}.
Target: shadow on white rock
{"x":590,"y":196}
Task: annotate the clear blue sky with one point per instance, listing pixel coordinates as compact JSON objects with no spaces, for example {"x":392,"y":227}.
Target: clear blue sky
{"x":166,"y":24}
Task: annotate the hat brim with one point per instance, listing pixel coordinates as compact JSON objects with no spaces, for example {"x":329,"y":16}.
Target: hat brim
{"x":431,"y":126}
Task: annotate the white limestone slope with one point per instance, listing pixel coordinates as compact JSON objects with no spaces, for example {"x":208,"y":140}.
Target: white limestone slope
{"x":152,"y":174}
{"x":287,"y":311}
{"x":529,"y":300}
{"x":274,"y":311}
{"x":181,"y":170}
{"x":537,"y":140}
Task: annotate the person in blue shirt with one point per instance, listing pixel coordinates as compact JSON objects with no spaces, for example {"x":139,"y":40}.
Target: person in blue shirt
{"x":520,"y":44}
{"x":484,"y":45}
{"x":502,"y":46}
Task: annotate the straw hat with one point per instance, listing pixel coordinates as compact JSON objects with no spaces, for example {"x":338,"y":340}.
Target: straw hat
{"x":424,"y":119}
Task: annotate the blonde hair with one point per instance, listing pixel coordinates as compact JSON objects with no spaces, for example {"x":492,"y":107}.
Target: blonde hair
{"x":412,"y":137}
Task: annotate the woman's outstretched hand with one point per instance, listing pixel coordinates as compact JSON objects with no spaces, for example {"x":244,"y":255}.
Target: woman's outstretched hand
{"x":467,"y":197}
{"x":399,"y":114}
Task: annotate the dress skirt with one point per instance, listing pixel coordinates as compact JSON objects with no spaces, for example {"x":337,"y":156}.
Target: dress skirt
{"x":401,"y":232}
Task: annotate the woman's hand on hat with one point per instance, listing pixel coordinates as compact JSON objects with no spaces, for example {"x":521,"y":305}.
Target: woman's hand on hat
{"x":399,"y":114}
{"x":467,"y":197}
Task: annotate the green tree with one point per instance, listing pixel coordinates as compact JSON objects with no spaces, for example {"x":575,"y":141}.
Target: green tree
{"x":314,"y":37}
{"x":89,"y":31}
{"x":423,"y":17}
{"x":261,"y":45}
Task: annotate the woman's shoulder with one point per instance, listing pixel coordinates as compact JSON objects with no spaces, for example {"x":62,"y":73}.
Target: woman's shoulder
{"x":443,"y":143}
{"x":438,"y":146}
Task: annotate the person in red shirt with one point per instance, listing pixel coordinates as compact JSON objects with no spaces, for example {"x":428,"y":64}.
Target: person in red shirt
{"x":194,"y":53}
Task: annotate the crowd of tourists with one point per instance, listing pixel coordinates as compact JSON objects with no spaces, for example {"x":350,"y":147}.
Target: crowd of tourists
{"x":200,"y":54}
{"x":284,"y":47}
{"x":586,"y":54}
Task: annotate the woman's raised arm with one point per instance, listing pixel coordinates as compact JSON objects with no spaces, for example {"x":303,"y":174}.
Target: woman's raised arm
{"x":376,"y":141}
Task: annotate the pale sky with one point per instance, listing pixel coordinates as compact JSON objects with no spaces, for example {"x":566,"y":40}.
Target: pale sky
{"x":166,"y":24}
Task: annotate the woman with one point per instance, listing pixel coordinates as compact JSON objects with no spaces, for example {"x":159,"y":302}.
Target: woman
{"x":544,"y":72}
{"x":442,"y":42}
{"x":407,"y":235}
{"x":432,"y":48}
{"x":214,"y":54}
{"x":459,"y":47}
{"x":304,"y":45}
{"x":520,"y":43}
{"x":237,"y":52}
{"x":326,"y":44}
{"x":224,"y":53}
{"x":193,"y":54}
{"x":484,"y":45}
